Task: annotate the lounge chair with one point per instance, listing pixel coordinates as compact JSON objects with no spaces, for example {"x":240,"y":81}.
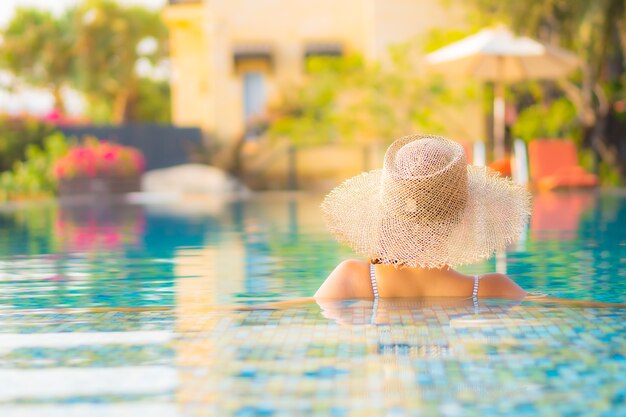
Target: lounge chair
{"x":554,"y":164}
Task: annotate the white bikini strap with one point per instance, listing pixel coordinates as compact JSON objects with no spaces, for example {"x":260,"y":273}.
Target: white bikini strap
{"x":375,"y":290}
{"x":475,"y":293}
{"x":373,"y":279}
{"x":475,"y":290}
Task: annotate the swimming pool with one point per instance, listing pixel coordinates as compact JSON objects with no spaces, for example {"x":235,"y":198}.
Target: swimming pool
{"x":121,"y":311}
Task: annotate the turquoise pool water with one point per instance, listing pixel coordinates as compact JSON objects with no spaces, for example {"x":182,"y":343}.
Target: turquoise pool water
{"x":123,"y":311}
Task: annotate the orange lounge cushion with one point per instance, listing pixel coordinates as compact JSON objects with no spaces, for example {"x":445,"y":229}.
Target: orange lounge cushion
{"x":553,"y":164}
{"x":546,"y":157}
{"x":503,"y":166}
{"x":569,"y":176}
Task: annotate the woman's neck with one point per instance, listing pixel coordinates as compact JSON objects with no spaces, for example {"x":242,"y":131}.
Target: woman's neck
{"x":416,"y":272}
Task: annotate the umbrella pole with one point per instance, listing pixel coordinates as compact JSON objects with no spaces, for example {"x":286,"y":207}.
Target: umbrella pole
{"x":498,"y":112}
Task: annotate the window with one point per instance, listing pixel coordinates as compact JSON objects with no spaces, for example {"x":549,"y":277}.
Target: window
{"x":331,"y":49}
{"x":254,"y":101}
{"x":320,"y":50}
{"x":246,"y":56}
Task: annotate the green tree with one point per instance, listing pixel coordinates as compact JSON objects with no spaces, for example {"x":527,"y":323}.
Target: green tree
{"x":96,"y":48}
{"x":38,"y":48}
{"x":109,"y":42}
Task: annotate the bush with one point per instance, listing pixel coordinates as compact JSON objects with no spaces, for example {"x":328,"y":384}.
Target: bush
{"x":16,"y":135}
{"x":32,"y":178}
{"x":554,"y":120}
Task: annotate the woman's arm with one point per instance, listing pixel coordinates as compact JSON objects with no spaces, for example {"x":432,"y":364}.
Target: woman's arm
{"x":338,"y":285}
{"x":500,"y":286}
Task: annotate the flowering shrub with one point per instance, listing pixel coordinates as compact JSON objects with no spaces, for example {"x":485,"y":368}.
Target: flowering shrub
{"x":96,"y":159}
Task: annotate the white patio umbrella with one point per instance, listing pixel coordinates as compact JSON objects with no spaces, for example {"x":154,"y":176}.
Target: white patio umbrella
{"x":498,"y":55}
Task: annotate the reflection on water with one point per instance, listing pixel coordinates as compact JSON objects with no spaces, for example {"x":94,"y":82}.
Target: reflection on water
{"x":576,"y":248}
{"x":384,"y":311}
{"x":82,"y":228}
{"x":119,"y":310}
{"x":268,"y":248}
{"x":557,"y":215}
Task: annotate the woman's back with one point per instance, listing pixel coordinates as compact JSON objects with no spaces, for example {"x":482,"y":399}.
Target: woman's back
{"x":352,"y":279}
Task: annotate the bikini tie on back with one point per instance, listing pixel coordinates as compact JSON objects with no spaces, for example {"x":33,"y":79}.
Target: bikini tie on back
{"x":375,"y":286}
{"x":375,"y":290}
{"x":373,"y":280}
{"x":475,"y":293}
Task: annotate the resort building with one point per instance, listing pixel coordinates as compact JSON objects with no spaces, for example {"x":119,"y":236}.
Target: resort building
{"x":230,"y":58}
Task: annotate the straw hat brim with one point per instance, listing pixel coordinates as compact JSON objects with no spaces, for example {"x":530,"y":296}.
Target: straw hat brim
{"x":494,"y":216}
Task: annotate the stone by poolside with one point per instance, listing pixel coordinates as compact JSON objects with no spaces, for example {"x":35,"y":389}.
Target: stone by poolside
{"x":191,"y":179}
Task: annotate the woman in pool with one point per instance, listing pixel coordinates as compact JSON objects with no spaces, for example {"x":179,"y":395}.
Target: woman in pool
{"x":424,"y":213}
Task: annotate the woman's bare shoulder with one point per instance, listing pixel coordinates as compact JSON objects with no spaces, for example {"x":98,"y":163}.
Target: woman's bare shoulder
{"x":497,"y":285}
{"x":344,"y":281}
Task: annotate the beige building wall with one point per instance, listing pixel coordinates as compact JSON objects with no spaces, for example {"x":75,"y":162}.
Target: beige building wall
{"x":207,"y":87}
{"x":191,"y":71}
{"x":396,"y":21}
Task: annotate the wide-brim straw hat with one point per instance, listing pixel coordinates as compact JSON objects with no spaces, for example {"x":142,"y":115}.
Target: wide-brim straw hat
{"x":427,"y":207}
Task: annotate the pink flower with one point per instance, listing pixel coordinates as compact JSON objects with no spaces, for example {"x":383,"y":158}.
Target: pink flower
{"x":109,"y":155}
{"x":96,"y":158}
